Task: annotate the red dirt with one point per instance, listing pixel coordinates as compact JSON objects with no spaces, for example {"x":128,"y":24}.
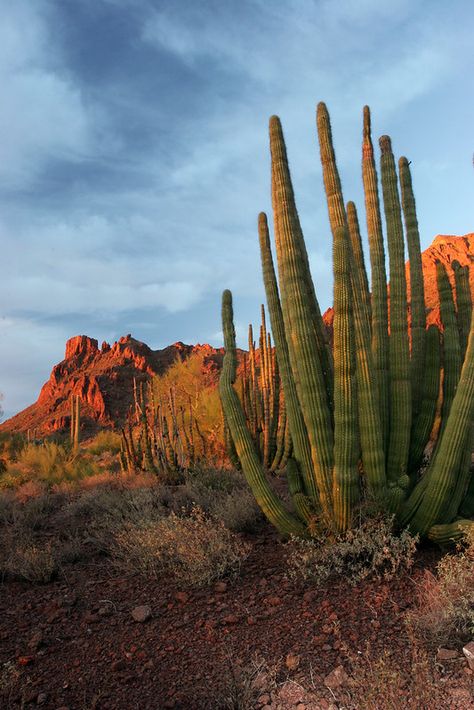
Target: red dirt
{"x":75,"y":644}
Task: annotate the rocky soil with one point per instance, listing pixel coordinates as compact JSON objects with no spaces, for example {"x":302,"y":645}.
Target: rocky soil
{"x":93,"y":639}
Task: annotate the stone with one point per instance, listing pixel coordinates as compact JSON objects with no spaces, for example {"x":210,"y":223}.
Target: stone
{"x":36,"y":641}
{"x":181,"y":597}
{"x":231,"y":619}
{"x":336,"y":678}
{"x":220,"y":587}
{"x":291,"y":693}
{"x":41,"y":699}
{"x":141,"y":613}
{"x":273,"y":601}
{"x":446,"y":654}
{"x":264,"y":699}
{"x":468,"y":651}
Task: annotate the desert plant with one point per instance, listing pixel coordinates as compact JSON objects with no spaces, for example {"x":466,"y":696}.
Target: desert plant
{"x":444,"y":606}
{"x":195,"y":549}
{"x":370,"y":549}
{"x":346,"y":445}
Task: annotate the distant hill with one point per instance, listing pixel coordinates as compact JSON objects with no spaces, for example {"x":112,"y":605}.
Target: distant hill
{"x":103,"y":377}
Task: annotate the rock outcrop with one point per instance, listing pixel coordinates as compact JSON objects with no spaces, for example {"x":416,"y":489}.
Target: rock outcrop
{"x":104,"y":380}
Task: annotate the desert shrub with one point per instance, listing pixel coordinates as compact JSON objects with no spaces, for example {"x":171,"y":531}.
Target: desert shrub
{"x":223,"y":494}
{"x":444,"y":607}
{"x":30,"y":561}
{"x":49,"y":463}
{"x":379,"y":681}
{"x":11,"y":444}
{"x":368,"y":550}
{"x":105,"y":440}
{"x":195,"y":550}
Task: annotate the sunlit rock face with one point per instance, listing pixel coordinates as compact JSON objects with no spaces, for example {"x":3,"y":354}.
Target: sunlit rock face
{"x":104,"y":380}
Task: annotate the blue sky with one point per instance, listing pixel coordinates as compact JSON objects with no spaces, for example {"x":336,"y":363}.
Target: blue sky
{"x":134,"y":153}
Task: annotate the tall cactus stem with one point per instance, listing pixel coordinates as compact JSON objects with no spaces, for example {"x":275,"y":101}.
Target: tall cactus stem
{"x":417,"y":289}
{"x":400,"y":380}
{"x":380,"y":347}
{"x":270,"y":504}
{"x":301,"y":316}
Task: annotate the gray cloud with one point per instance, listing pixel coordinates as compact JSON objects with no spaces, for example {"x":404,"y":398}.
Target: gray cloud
{"x":134,"y":153}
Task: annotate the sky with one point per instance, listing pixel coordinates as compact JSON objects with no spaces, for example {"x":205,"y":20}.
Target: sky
{"x":134,"y":154}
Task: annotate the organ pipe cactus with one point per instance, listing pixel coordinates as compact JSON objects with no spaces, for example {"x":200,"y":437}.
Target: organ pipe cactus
{"x":360,"y":417}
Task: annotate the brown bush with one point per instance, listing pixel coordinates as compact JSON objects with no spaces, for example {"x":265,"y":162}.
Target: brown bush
{"x":369,"y":550}
{"x":444,"y":606}
{"x":196,"y":550}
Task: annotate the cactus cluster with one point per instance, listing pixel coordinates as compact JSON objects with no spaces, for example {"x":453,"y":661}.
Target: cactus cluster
{"x":263,"y":402}
{"x":159,"y":437}
{"x":360,"y":415}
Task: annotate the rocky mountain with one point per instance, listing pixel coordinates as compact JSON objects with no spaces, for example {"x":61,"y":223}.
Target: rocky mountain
{"x":104,"y":380}
{"x":103,"y":377}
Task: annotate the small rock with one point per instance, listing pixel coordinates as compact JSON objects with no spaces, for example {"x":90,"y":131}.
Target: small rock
{"x":41,"y":699}
{"x":309,"y":596}
{"x":119,"y":665}
{"x":250,"y":620}
{"x":91,"y":618}
{"x":181,"y":597}
{"x":292,"y":661}
{"x":141,"y":613}
{"x":261,"y":682}
{"x":446,"y":654}
{"x":290,"y":694}
{"x":468,"y":651}
{"x":336,"y":678}
{"x":264,"y":699}
{"x":231,"y":619}
{"x":273,"y":601}
{"x":24,"y":660}
{"x":35,"y":642}
{"x":220,"y":587}
{"x":301,"y":706}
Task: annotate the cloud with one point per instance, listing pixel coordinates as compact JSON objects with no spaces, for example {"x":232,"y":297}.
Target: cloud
{"x":134,"y":155}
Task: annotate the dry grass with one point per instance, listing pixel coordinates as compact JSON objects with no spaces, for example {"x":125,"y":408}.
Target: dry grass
{"x":444,"y":607}
{"x":196,"y":550}
{"x":30,"y":562}
{"x":379,"y":681}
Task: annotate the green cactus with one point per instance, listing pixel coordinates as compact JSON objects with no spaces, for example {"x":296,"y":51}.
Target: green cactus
{"x":296,"y":424}
{"x":337,"y":410}
{"x":371,"y":441}
{"x":380,"y":343}
{"x":463,"y":303}
{"x":302,"y":318}
{"x":451,"y":345}
{"x":424,"y":511}
{"x":400,"y":381}
{"x":430,"y":392}
{"x":271,"y":505}
{"x":417,"y":289}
